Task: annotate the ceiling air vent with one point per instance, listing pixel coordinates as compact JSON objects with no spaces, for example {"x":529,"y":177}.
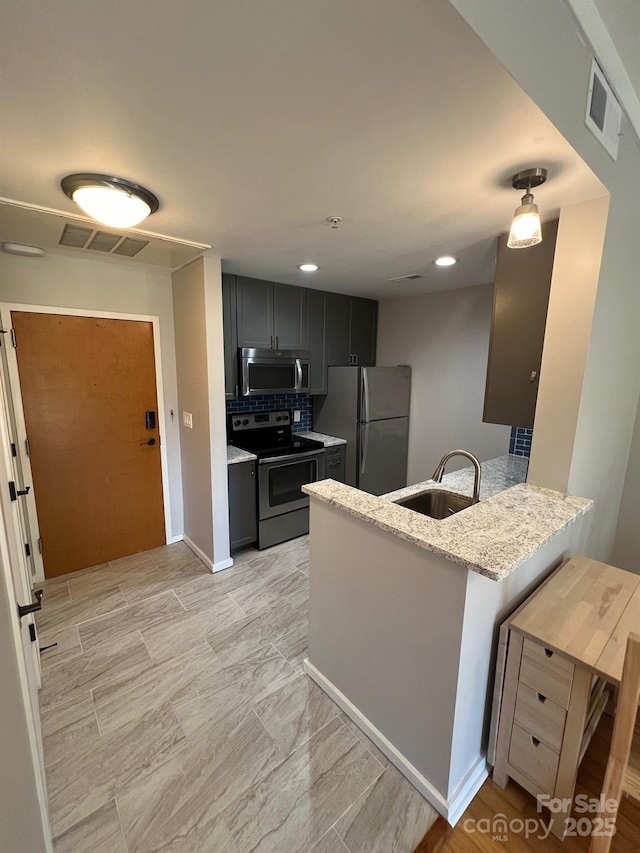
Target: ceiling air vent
{"x":75,"y":236}
{"x":130,"y":247}
{"x":101,"y":241}
{"x":104,"y":242}
{"x":411,"y":277}
{"x":604,"y":113}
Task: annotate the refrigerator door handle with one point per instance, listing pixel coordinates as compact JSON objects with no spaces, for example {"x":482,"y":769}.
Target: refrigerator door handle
{"x":364,"y":446}
{"x":365,"y":394}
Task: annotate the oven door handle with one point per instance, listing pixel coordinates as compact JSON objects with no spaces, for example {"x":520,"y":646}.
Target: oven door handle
{"x":293,"y":457}
{"x":298,"y":376}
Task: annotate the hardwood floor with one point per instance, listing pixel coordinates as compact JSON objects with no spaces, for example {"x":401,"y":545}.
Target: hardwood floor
{"x":516,"y":805}
{"x":176,"y":717}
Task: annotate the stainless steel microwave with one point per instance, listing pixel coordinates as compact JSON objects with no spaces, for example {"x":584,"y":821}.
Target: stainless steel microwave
{"x":267,"y":371}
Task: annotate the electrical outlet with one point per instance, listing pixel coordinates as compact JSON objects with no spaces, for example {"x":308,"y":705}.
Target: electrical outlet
{"x":296,"y":416}
{"x":187,"y":420}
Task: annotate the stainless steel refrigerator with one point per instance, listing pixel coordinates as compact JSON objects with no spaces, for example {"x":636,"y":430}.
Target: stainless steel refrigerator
{"x":369,"y":406}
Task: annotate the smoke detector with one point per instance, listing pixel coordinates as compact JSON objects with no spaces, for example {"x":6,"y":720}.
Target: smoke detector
{"x":334,"y":221}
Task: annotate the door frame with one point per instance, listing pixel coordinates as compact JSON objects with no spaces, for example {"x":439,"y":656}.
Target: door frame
{"x":14,"y":394}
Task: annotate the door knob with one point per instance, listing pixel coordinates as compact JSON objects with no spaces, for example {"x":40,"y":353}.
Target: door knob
{"x":25,"y":609}
{"x":150,"y":442}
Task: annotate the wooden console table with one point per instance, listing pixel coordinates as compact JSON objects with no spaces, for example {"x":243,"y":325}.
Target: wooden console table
{"x":556,"y":655}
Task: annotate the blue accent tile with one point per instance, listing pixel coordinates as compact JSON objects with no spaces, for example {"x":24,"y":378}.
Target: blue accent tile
{"x":271,"y":402}
{"x":520,"y":441}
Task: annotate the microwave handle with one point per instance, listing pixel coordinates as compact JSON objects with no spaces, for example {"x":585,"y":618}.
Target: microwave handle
{"x":298,"y":376}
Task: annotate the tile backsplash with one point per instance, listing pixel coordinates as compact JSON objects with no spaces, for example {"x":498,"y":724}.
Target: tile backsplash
{"x":272,"y":402}
{"x":520,"y":441}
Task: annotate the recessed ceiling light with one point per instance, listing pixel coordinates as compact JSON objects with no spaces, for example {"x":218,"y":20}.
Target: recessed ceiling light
{"x":109,"y":200}
{"x":21,"y":249}
{"x":308,"y":267}
{"x":445,"y":261}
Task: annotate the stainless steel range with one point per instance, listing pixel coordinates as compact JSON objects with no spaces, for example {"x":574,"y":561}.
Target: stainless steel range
{"x":286,"y":462}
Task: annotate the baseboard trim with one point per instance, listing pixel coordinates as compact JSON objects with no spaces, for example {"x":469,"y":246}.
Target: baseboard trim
{"x":467,"y":790}
{"x":393,"y":754}
{"x":450,"y":809}
{"x":222,"y":564}
{"x":198,"y":551}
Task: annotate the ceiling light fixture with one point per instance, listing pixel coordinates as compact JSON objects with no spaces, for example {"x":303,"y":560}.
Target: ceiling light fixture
{"x":22,"y":249}
{"x":526,"y":229}
{"x":445,"y":261}
{"x":109,"y":200}
{"x":308,"y":267}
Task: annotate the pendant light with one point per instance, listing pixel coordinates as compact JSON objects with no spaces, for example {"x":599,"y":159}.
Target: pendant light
{"x":526,"y":229}
{"x":109,"y":200}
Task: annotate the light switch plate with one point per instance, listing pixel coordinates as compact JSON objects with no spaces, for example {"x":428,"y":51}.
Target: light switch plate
{"x":296,"y":416}
{"x":187,"y":419}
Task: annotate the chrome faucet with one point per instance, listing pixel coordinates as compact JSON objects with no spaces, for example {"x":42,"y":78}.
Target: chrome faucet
{"x":437,"y":474}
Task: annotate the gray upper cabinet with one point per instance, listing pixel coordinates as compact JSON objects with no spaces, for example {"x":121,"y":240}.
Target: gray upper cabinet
{"x":520,"y":302}
{"x":230,"y":336}
{"x":317,"y":341}
{"x":270,"y":315}
{"x":289,"y":310}
{"x":351,"y":330}
{"x":338,"y":329}
{"x":255,"y":313}
{"x":364,"y":323}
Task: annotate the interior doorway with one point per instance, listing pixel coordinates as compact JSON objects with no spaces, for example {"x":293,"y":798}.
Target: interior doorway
{"x":89,"y":407}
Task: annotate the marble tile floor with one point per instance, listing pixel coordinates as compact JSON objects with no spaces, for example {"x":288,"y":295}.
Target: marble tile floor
{"x":176,"y":716}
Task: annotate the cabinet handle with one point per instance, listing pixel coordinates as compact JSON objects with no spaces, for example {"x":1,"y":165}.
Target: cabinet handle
{"x":548,"y":653}
{"x":355,"y":359}
{"x":542,"y":699}
{"x":277,"y":342}
{"x":535,"y":741}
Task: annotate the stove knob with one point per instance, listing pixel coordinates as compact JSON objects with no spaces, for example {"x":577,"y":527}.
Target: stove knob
{"x":236,"y":423}
{"x":245,"y":422}
{"x":278,"y":418}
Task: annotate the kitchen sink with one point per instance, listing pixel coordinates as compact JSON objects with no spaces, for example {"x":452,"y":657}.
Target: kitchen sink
{"x":436,"y":503}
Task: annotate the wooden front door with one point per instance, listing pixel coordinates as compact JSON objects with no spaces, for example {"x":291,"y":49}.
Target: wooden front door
{"x":86,"y":385}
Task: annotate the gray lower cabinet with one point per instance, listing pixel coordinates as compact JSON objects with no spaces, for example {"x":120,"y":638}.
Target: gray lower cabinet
{"x":351,"y":330}
{"x":335,"y":463}
{"x":230,"y":336}
{"x":243,"y":512}
{"x":520,"y":303}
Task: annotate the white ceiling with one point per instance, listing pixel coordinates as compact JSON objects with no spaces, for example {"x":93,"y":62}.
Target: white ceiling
{"x":254,"y":121}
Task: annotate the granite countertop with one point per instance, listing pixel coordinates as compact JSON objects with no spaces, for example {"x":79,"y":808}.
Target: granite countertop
{"x":493,"y":537}
{"x":327,"y":440}
{"x":236,"y":454}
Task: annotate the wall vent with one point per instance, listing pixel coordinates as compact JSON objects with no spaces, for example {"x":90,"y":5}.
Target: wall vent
{"x":104,"y":242}
{"x":76,"y":237}
{"x":411,"y":277}
{"x":604,"y":113}
{"x":130,"y":247}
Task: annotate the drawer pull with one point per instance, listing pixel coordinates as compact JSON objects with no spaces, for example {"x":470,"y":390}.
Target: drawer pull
{"x":542,"y":699}
{"x":548,"y":653}
{"x":535,"y":741}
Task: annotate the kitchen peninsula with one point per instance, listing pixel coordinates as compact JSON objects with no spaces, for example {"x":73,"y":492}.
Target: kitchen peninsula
{"x":404,"y":612}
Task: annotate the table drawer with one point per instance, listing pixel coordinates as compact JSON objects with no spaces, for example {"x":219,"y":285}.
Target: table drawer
{"x":535,"y":760}
{"x":537,"y":715}
{"x":546,"y":672}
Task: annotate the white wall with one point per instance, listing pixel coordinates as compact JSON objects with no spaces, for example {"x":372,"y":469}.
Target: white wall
{"x":193,"y":397}
{"x":197,"y":301}
{"x":445,"y":338}
{"x":626,"y":548}
{"x":61,"y":281}
{"x":611,"y":380}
